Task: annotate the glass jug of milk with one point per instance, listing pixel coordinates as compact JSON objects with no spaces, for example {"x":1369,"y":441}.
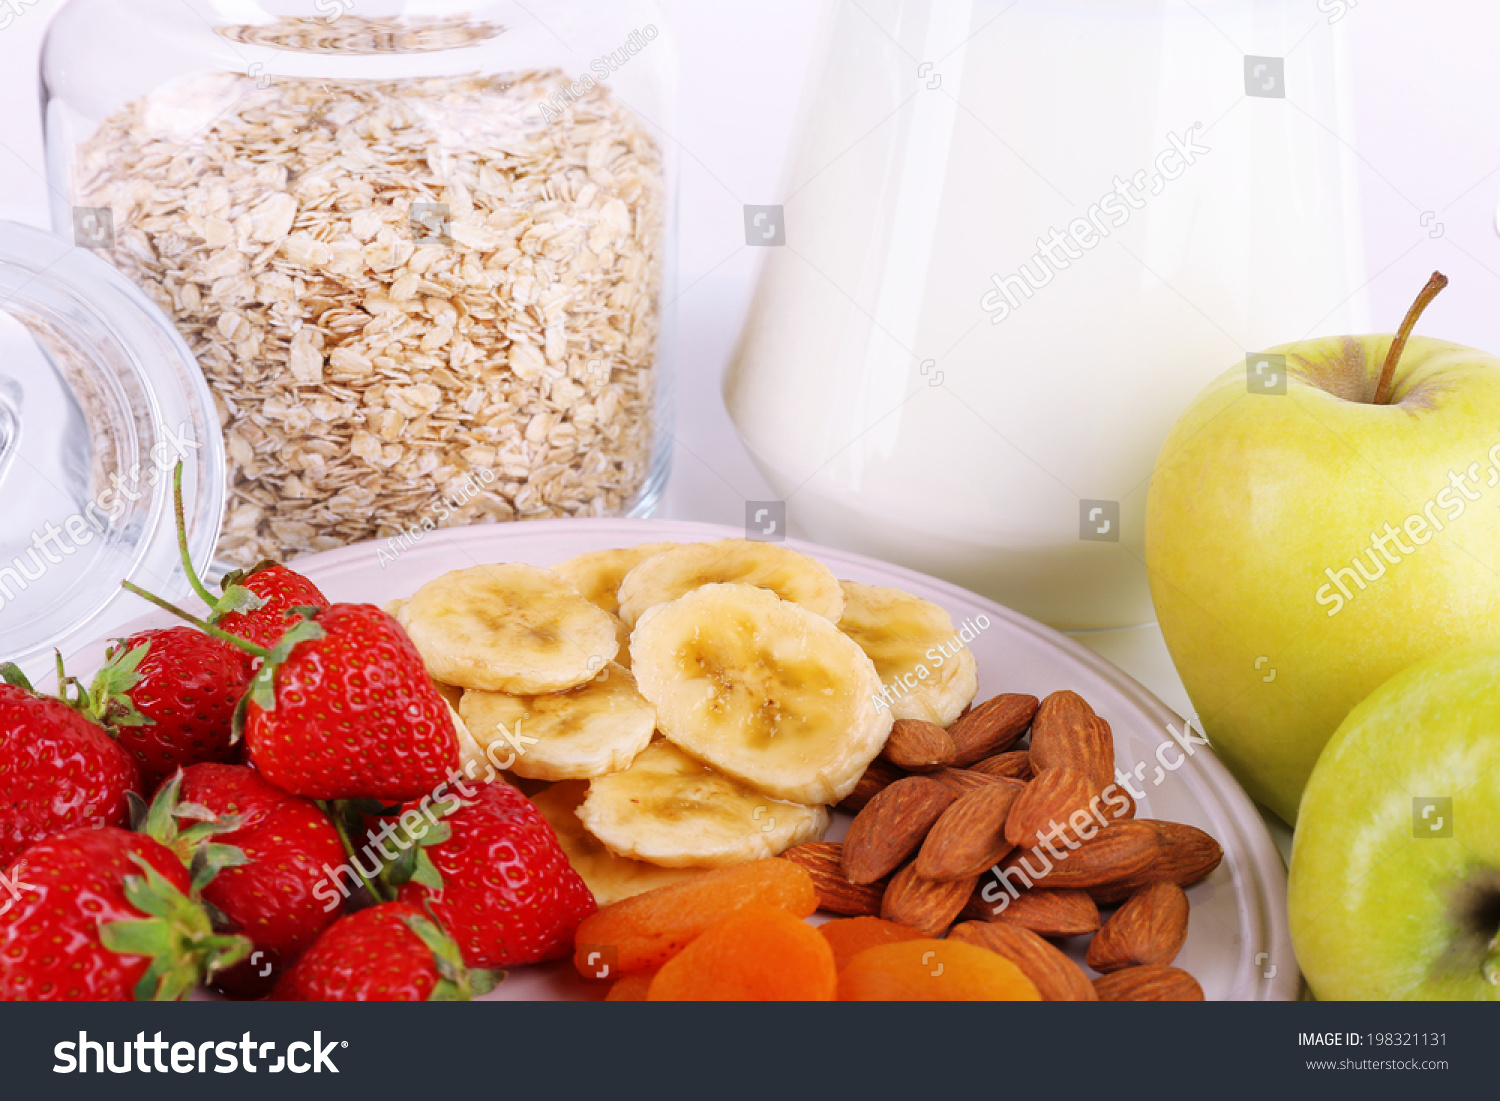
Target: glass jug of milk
{"x":1019,"y":238}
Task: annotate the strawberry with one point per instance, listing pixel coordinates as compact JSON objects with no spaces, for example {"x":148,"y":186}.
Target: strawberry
{"x":279,"y":589}
{"x":392,"y":952}
{"x":58,"y":769}
{"x":168,"y":696}
{"x":508,"y":895}
{"x":255,"y":602}
{"x":104,"y":915}
{"x":343,"y":708}
{"x":282,"y":895}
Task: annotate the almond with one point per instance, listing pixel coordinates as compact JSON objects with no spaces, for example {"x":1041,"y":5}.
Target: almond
{"x":1047,"y":913}
{"x":1152,"y":983}
{"x":891,"y":826}
{"x":1067,"y":734}
{"x":918,"y":746}
{"x":1150,"y":928}
{"x":1045,"y":808}
{"x":1115,"y":853}
{"x":879,"y":776}
{"x":1013,"y":765}
{"x":970,"y":836}
{"x":992,"y":727}
{"x":1056,"y":977}
{"x":1187,"y":855}
{"x":960,"y":780}
{"x":823,"y":861}
{"x":926,"y":904}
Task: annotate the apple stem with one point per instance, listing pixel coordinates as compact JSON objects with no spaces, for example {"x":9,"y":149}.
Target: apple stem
{"x":1388,"y":370}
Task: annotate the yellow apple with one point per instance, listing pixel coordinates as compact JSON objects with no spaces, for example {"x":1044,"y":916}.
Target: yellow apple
{"x":1309,"y":537}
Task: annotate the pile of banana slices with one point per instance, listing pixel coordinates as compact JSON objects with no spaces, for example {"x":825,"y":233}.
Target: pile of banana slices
{"x":673,"y":707}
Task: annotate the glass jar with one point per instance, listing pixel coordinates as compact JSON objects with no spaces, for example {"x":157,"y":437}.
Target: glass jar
{"x":420,"y":248}
{"x":99,"y":399}
{"x":1018,"y":243}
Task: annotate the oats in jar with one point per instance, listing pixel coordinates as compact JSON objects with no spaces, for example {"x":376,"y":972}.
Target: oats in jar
{"x":393,"y":285}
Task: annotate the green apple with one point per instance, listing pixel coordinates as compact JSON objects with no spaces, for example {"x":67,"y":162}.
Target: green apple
{"x":1305,"y":544}
{"x":1395,"y":885}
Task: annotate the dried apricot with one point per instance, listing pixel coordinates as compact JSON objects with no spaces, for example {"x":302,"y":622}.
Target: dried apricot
{"x":651,"y":928}
{"x":632,"y":988}
{"x":759,"y":953}
{"x":850,"y":936}
{"x":933,"y":971}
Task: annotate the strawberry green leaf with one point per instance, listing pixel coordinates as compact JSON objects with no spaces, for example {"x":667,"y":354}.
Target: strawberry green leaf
{"x":455,"y":981}
{"x":139,"y":812}
{"x":11,"y":673}
{"x":262,"y":690}
{"x":238,"y":599}
{"x":194,"y":846}
{"x":426,"y":873}
{"x":482,"y":981}
{"x":137,"y":938}
{"x":178,"y":937}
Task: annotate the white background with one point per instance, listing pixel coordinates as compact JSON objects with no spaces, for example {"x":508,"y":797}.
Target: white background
{"x":1427,"y":135}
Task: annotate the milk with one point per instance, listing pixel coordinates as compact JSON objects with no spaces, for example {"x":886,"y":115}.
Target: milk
{"x":1011,"y":265}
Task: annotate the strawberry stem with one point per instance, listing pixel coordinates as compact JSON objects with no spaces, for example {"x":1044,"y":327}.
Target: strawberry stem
{"x":202,"y":625}
{"x":180,"y":514}
{"x":335,"y":815}
{"x":1388,"y":370}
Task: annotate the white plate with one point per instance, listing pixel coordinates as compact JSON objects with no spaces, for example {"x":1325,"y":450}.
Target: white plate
{"x":1238,"y":946}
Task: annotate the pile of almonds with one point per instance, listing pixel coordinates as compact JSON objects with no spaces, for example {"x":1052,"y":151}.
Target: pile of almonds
{"x":940,"y":808}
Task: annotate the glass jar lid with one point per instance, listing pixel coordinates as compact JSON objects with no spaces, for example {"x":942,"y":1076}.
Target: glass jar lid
{"x":99,"y":398}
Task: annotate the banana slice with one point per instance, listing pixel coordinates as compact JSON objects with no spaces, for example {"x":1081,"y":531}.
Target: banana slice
{"x":670,"y":809}
{"x":761,"y":689}
{"x":508,"y":628}
{"x":450,"y":692}
{"x":471,"y":758}
{"x":608,"y":876}
{"x":586,"y":731}
{"x":785,"y":572}
{"x":921,"y":658}
{"x":597,"y":574}
{"x":622,"y":636}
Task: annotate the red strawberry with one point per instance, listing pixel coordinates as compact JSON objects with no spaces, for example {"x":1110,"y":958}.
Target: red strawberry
{"x":104,"y":915}
{"x":283,"y":896}
{"x":353,"y":712}
{"x":168,"y":696}
{"x":281,"y":589}
{"x":254,"y":601}
{"x":389,"y":953}
{"x":58,"y":770}
{"x":509,"y":896}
